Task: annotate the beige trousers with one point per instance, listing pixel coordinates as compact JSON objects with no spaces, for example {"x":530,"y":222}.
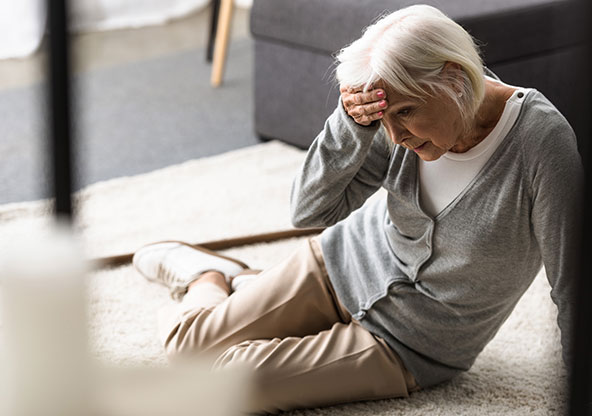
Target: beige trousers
{"x":290,"y":328}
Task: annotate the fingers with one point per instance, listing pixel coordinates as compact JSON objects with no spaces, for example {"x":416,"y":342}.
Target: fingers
{"x":367,"y":113}
{"x":363,"y":107}
{"x":370,"y":102}
{"x":347,"y":88}
{"x":366,"y":120}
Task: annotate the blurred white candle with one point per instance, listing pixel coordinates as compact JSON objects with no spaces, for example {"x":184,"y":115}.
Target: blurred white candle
{"x":44,"y":324}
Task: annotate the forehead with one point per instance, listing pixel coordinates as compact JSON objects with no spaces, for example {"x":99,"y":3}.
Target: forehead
{"x":394,"y":96}
{"x":397,"y":100}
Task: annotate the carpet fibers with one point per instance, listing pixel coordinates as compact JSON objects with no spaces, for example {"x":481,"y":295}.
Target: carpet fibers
{"x":245,"y":192}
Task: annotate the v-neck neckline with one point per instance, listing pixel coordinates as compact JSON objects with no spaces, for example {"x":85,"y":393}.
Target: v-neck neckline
{"x":472,"y":183}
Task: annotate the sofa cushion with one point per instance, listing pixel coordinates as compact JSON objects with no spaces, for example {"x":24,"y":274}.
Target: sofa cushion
{"x":510,"y":28}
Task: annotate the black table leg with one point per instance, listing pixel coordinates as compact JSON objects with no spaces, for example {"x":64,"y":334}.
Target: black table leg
{"x":213,"y":28}
{"x":59,"y":107}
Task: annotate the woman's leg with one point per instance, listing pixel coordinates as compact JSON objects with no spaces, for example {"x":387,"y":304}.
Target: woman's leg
{"x":292,"y":299}
{"x":288,"y":326}
{"x":342,"y":364}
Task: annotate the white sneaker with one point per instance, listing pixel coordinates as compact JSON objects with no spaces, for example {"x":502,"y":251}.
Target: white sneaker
{"x":176,"y":264}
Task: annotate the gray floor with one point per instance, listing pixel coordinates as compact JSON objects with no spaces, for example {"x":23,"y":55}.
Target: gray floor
{"x":96,"y":50}
{"x":143,"y":102}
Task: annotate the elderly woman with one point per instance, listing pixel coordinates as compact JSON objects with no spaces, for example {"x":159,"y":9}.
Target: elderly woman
{"x":483,"y":182}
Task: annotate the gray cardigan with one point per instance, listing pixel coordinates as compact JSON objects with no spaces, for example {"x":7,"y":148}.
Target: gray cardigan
{"x":438,"y":289}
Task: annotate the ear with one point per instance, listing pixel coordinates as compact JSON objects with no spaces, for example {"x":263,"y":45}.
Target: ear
{"x":448,"y":66}
{"x":452,"y":71}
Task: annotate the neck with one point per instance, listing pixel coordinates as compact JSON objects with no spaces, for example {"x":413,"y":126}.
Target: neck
{"x":487,"y":117}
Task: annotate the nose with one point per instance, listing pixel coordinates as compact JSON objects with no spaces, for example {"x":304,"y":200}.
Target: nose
{"x":396,"y":131}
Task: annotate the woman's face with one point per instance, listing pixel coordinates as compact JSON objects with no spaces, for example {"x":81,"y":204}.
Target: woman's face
{"x":430,"y":128}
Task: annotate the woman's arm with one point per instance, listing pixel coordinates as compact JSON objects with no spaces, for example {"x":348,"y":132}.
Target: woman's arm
{"x":345,"y":165}
{"x":557,"y":194}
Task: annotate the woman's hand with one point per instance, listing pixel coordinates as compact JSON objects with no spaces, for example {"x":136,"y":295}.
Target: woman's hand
{"x":363,"y":107}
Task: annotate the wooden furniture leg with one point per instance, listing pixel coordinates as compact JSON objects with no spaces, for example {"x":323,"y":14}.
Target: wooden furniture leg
{"x":221,"y":44}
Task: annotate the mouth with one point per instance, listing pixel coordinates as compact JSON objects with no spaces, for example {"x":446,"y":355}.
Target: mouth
{"x":420,"y":147}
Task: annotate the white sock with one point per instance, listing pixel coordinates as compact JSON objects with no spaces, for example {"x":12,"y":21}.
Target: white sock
{"x":242,"y":280}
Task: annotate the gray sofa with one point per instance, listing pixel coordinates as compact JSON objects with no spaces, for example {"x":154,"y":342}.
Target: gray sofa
{"x":532,"y":43}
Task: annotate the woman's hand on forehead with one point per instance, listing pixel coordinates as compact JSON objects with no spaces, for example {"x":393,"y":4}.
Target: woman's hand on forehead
{"x":363,"y":107}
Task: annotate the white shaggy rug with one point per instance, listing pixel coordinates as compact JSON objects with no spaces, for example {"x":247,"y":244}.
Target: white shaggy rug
{"x":246,"y":192}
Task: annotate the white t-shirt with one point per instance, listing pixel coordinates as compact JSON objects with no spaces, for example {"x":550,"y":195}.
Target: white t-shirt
{"x":442,"y":180}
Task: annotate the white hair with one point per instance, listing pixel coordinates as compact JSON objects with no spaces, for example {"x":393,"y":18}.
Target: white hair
{"x":408,"y":49}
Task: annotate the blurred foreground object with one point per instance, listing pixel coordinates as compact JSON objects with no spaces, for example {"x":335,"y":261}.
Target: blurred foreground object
{"x":189,"y":390}
{"x":45,"y":365}
{"x":44,"y":324}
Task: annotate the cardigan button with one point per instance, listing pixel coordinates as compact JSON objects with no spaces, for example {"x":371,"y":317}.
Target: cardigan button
{"x":520,"y":94}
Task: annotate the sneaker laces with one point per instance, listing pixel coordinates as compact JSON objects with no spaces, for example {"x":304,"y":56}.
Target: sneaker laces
{"x":177,"y":292}
{"x":177,"y":287}
{"x":166,"y":275}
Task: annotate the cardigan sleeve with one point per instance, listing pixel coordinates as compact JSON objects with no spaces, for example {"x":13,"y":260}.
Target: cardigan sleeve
{"x":344,"y":166}
{"x":557,"y":187}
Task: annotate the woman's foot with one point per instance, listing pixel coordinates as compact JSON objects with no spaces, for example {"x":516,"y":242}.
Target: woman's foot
{"x":236,"y":283}
{"x":214,"y":277}
{"x":176,"y":264}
